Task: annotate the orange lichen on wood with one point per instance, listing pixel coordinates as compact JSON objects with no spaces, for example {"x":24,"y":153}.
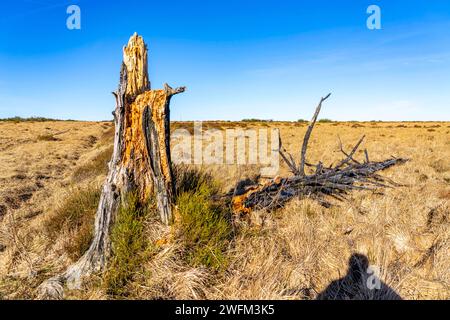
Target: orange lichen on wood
{"x":158,"y":101}
{"x":238,"y":201}
{"x":135,"y":156}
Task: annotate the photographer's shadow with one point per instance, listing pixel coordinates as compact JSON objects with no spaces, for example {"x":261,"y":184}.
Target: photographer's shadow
{"x":360,"y":283}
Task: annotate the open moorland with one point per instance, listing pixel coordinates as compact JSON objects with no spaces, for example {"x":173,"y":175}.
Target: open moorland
{"x":51,"y":173}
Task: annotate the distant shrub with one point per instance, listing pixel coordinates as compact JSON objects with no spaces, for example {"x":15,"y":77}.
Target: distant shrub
{"x":31,"y":119}
{"x":257,"y":120}
{"x":325,"y":120}
{"x":302,"y":120}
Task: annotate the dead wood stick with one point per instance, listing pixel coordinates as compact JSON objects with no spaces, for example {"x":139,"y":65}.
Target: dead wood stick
{"x":61,"y":132}
{"x":367,"y":155}
{"x":301,"y":169}
{"x":345,"y":153}
{"x":290,"y":162}
{"x":171,"y":92}
{"x":350,"y":156}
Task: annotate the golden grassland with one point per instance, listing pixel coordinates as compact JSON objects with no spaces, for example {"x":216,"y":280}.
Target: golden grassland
{"x":51,"y":173}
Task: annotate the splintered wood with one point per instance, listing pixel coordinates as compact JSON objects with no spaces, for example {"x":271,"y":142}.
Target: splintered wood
{"x":145,"y":137}
{"x":324,"y":184}
{"x":140,"y":162}
{"x":135,"y":60}
{"x":136,"y":157}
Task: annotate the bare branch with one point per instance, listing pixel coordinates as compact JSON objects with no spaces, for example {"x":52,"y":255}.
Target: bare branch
{"x":350,"y":156}
{"x":346,"y":154}
{"x":301,"y":169}
{"x":290,"y":162}
{"x":367,"y":155}
{"x":170,"y":91}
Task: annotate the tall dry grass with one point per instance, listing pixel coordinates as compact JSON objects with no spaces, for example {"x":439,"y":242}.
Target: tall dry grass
{"x":303,"y":251}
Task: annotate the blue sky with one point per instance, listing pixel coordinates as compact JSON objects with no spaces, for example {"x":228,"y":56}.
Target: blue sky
{"x":238,"y":59}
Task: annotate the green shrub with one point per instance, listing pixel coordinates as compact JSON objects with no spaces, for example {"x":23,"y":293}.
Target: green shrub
{"x":204,"y":227}
{"x":128,"y":245}
{"x":188,"y":178}
{"x":325,"y":120}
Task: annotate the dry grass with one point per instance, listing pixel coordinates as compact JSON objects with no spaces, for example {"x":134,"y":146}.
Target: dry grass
{"x":301,"y":252}
{"x":98,"y":165}
{"x":74,"y":217}
{"x":47,"y":137}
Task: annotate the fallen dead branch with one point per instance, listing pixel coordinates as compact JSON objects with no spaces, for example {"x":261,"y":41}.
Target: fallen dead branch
{"x":324,"y":184}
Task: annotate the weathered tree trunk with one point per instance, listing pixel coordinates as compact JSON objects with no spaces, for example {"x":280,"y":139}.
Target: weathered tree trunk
{"x":140,"y":162}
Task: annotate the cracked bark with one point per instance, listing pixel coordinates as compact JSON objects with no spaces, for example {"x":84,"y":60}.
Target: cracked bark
{"x":140,"y":162}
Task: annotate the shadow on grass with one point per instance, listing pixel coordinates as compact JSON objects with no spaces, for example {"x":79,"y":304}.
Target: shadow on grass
{"x":358,"y":284}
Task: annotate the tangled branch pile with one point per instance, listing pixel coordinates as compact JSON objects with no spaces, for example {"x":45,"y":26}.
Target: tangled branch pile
{"x":325,"y":183}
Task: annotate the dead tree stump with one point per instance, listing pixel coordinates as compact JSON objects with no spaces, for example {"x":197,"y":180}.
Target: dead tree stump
{"x":140,"y":162}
